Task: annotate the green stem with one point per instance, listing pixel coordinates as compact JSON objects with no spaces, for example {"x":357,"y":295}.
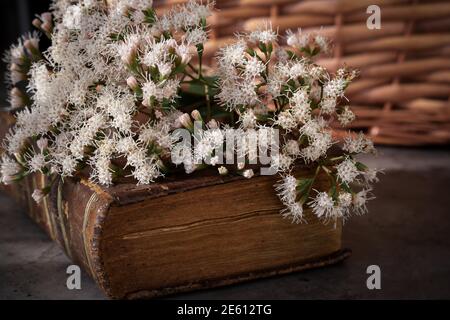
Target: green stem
{"x":337,"y":158}
{"x":276,"y":104}
{"x":313,"y":179}
{"x":208,"y":103}
{"x":200,"y":56}
{"x":193,"y":68}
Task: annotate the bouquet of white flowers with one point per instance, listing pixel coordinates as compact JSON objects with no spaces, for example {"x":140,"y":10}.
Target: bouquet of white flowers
{"x":108,"y":97}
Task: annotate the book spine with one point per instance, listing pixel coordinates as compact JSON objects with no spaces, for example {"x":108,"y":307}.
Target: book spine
{"x":80,"y":209}
{"x":72,"y":215}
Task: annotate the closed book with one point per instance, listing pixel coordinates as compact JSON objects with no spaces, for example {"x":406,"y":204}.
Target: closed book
{"x":179,"y":234}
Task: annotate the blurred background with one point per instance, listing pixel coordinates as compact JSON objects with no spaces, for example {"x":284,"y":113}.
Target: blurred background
{"x":401,"y":99}
{"x":15,"y":20}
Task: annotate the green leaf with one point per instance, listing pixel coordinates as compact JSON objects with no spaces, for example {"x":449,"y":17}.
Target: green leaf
{"x":303,"y":185}
{"x":200,"y":48}
{"x":150,"y":16}
{"x":179,"y":69}
{"x":251,"y":52}
{"x":291,"y":54}
{"x":304,"y":198}
{"x":361,"y":166}
{"x":270,"y":48}
{"x":197,"y":87}
{"x":333,"y":190}
{"x":346,"y":188}
{"x":262,"y":46}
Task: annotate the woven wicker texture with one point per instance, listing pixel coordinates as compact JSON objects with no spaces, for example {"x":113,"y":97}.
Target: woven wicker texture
{"x":402,"y":96}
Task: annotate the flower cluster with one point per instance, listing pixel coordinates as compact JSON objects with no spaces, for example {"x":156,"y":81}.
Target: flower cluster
{"x":104,"y":91}
{"x":268,"y":85}
{"x":106,"y":97}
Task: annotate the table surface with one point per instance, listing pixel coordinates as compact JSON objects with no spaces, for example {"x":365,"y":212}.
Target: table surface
{"x":406,"y":233}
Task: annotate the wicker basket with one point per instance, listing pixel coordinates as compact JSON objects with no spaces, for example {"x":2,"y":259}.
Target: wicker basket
{"x":402,"y":95}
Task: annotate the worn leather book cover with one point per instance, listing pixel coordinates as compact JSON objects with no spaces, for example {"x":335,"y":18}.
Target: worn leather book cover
{"x":196,"y":231}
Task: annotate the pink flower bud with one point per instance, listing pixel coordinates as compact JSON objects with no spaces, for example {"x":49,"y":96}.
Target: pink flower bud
{"x":17,"y":98}
{"x":46,"y":17}
{"x":42,"y":144}
{"x":37,"y":23}
{"x":47,"y":27}
{"x":196,"y":115}
{"x":32,"y":45}
{"x":132,"y":83}
{"x":185,"y":121}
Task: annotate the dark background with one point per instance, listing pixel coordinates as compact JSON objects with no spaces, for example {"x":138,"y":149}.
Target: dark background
{"x":15,"y":20}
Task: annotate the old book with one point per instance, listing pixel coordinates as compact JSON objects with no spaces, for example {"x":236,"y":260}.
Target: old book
{"x":196,"y":231}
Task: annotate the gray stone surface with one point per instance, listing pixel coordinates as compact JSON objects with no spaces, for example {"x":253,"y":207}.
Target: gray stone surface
{"x":406,"y":233}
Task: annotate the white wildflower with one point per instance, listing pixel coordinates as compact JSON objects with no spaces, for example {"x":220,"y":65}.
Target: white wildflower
{"x":189,"y":15}
{"x":102,"y":171}
{"x":318,"y":147}
{"x":328,"y":105}
{"x":266,"y":35}
{"x":9,"y":170}
{"x":189,"y":166}
{"x":298,"y":39}
{"x":72,"y":17}
{"x":360,"y":201}
{"x":196,"y":36}
{"x":248,"y":119}
{"x":358,"y":144}
{"x":291,"y":38}
{"x":222,"y":170}
{"x":293,"y":211}
{"x":68,"y":165}
{"x":370,"y":176}
{"x":282,"y":162}
{"x":232,"y":54}
{"x":248,"y":173}
{"x":287,"y":189}
{"x":234,"y":94}
{"x":300,"y":106}
{"x":347,"y":171}
{"x":334,"y":88}
{"x":312,"y":128}
{"x":297,"y":70}
{"x":291,"y":147}
{"x":345,"y":199}
{"x":165,"y":90}
{"x":184,"y":52}
{"x":185,"y":121}
{"x":146,"y":172}
{"x":322,"y":43}
{"x":323,"y":206}
{"x":214,"y":161}
{"x":275,"y":81}
{"x":286,"y":121}
{"x":253,"y":67}
{"x":37,"y":162}
{"x":346,"y":116}
{"x":127,"y":50}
